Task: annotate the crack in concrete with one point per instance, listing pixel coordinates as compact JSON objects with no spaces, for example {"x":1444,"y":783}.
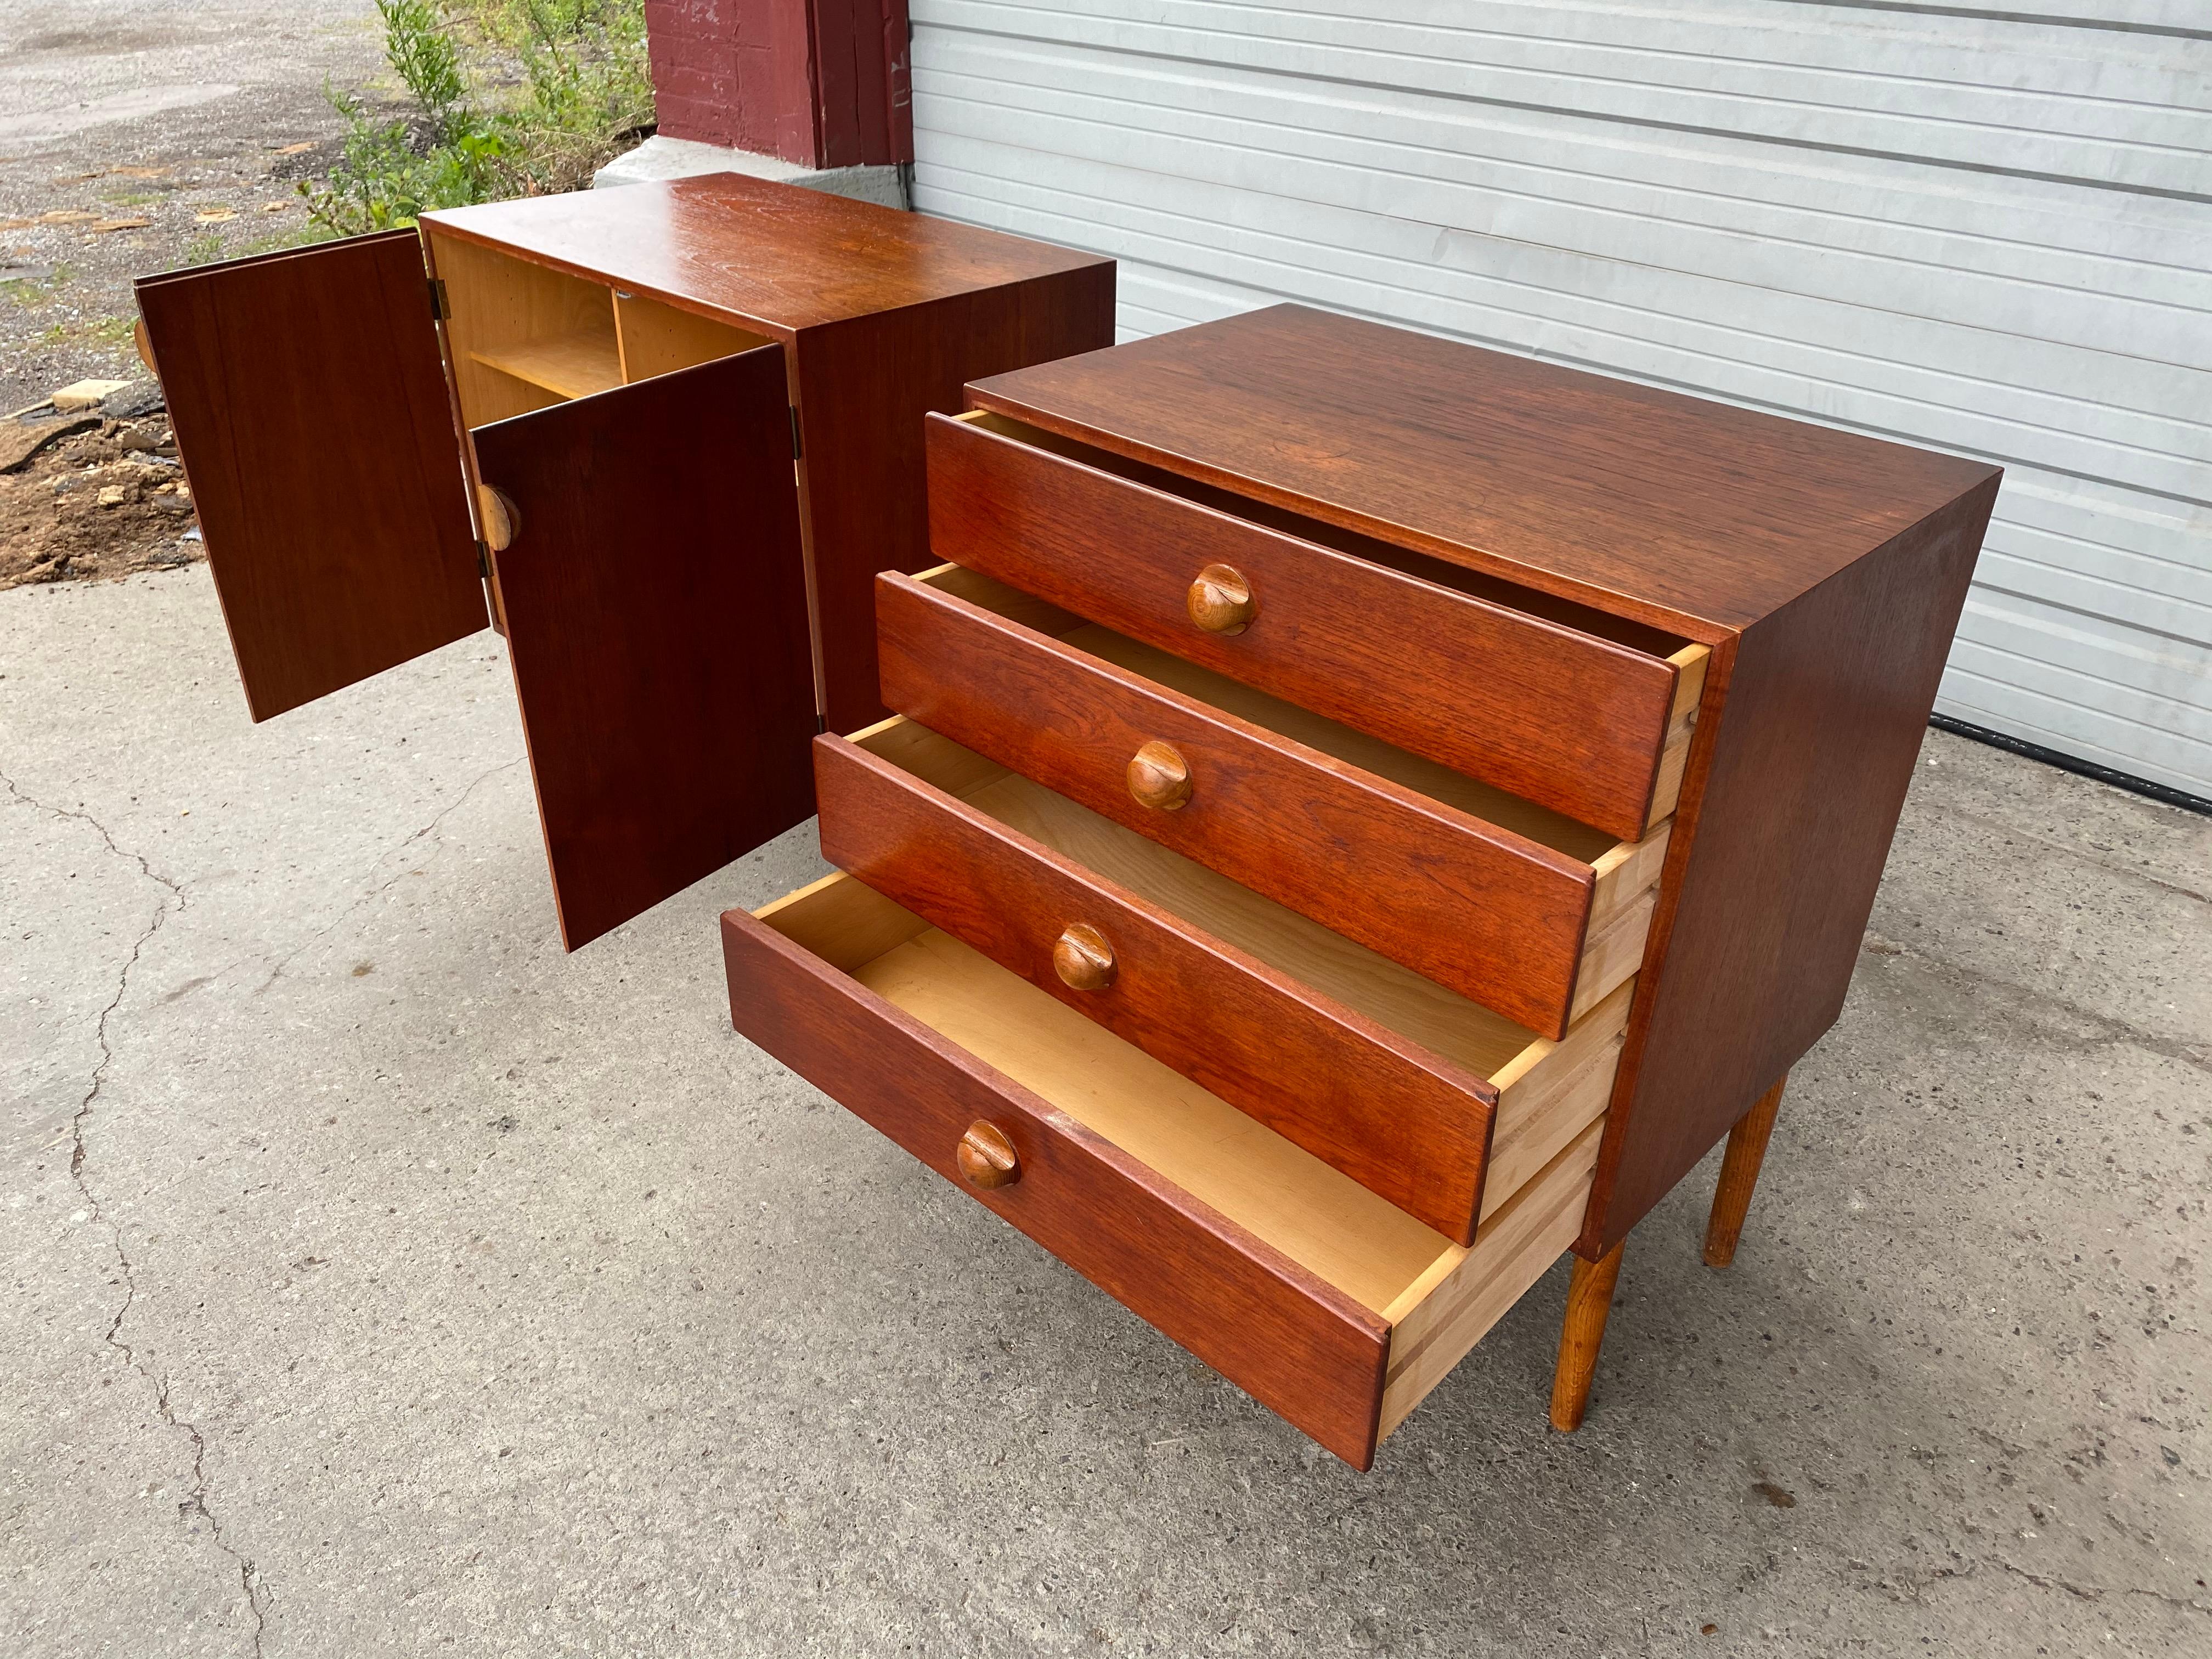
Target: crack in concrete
{"x":2099,"y":1592}
{"x":430,"y":829}
{"x":2109,"y":1031}
{"x":2080,"y":855}
{"x":195,"y":1501}
{"x":1916,"y":1584}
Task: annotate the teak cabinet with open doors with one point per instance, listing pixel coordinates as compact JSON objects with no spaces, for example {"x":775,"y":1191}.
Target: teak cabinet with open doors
{"x":1362,"y":815}
{"x":663,"y":437}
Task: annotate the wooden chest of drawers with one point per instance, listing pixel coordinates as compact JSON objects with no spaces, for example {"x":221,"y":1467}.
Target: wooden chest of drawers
{"x":1362,"y":816}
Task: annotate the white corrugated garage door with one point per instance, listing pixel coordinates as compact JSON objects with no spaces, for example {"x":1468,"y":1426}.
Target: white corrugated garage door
{"x":1980,"y":227}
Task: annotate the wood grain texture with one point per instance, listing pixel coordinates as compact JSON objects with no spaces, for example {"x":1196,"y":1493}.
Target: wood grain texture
{"x":1466,"y":1033}
{"x":657,"y":625}
{"x":1084,"y":958}
{"x":1549,"y":1094}
{"x":1686,"y":513}
{"x":575,"y":365}
{"x":1278,"y":1193}
{"x":1560,"y":717}
{"x":1582,"y":1334}
{"x":1402,"y":1121}
{"x":1159,"y":777}
{"x":863,"y":386}
{"x":1691,"y":663}
{"x":1626,"y":872}
{"x":1739,"y":1177}
{"x":1470,"y":1291}
{"x":658,"y":339}
{"x":1805,"y":746}
{"x":1438,"y":573}
{"x":886,"y":316}
{"x":986,"y":1156}
{"x":1472,"y":906}
{"x":1485,"y":911}
{"x":779,"y":258}
{"x":1623,"y":869}
{"x":1295,"y":1343}
{"x":1219,"y":600}
{"x":311,"y":411}
{"x":521,"y":336}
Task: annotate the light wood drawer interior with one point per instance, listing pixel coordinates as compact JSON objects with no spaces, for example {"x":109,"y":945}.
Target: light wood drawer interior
{"x":1625,"y":893}
{"x":524,"y":336}
{"x":1547,"y":1092}
{"x":1438,"y":1297}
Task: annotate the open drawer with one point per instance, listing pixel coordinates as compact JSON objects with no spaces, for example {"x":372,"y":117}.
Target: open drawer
{"x":1429,"y":1100}
{"x":1582,"y":712}
{"x":1321,"y":1300}
{"x":1508,"y":903}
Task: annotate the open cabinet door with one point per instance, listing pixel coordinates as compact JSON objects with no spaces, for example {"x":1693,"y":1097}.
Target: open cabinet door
{"x":311,"y":411}
{"x":656,"y":617}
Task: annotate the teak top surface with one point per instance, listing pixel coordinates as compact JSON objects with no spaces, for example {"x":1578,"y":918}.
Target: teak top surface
{"x":1647,"y":503}
{"x":778,"y":256}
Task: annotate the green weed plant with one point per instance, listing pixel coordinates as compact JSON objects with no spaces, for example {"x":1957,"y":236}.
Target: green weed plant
{"x":508,"y":97}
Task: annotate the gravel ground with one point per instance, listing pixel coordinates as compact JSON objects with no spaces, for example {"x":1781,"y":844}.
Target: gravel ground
{"x":185,"y":114}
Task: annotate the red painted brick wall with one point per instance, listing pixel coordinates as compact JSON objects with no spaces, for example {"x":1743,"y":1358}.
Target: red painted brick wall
{"x":822,"y":82}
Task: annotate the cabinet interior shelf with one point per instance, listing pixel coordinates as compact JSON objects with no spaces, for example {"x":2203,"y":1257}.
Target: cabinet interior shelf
{"x":570,"y":365}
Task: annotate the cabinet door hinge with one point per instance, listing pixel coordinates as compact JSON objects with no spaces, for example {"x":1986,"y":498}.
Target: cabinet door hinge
{"x":798,"y":450}
{"x":442,"y":308}
{"x":483,"y":561}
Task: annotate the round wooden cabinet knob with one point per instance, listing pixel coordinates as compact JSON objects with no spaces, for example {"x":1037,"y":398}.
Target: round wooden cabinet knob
{"x":1159,"y":777}
{"x":1220,"y":600}
{"x":986,"y":1156}
{"x":502,"y":523}
{"x":1082,"y":958}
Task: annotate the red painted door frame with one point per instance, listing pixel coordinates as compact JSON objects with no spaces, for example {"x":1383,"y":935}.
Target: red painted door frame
{"x":821,"y":83}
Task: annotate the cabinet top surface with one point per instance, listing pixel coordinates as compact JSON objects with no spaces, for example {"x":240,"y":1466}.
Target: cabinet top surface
{"x":1642,"y":501}
{"x":778,"y":255}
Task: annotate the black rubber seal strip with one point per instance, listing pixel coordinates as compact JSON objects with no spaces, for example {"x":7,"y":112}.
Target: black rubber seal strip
{"x":2073,"y":764}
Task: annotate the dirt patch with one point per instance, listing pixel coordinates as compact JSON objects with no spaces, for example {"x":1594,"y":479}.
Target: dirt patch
{"x":102,"y":501}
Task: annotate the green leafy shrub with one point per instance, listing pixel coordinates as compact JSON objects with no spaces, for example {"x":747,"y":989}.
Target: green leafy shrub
{"x":581,"y":93}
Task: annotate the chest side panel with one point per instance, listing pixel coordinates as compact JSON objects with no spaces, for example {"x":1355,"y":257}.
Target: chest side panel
{"x":1778,"y":852}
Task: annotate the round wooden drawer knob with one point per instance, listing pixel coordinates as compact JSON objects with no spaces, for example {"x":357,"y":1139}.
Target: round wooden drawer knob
{"x":1082,"y":958}
{"x":1159,"y":777}
{"x":501,"y":521}
{"x":986,"y":1156}
{"x":1220,"y":600}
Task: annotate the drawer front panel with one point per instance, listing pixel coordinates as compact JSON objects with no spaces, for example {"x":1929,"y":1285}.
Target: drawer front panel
{"x":1292,"y":1342}
{"x":1576,"y":723}
{"x":1404,"y":1123}
{"x":1493,"y":914}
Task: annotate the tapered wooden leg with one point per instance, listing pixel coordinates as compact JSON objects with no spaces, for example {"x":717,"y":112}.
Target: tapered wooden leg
{"x":1746,"y":1151}
{"x":1589,"y":1299}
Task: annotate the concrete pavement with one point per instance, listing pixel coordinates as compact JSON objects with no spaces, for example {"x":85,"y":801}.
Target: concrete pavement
{"x":380,"y":1278}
